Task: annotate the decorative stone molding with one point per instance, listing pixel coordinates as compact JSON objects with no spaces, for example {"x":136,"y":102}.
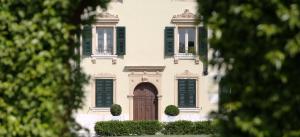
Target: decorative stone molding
{"x":187,"y":74}
{"x":93,"y":60}
{"x":112,"y":57}
{"x":175,"y":60}
{"x":196,"y":60}
{"x":105,"y":14}
{"x":185,"y":17}
{"x":185,"y":14}
{"x":144,"y":68}
{"x":144,"y":79}
{"x":105,"y":17}
{"x":114,"y":61}
{"x":104,"y":75}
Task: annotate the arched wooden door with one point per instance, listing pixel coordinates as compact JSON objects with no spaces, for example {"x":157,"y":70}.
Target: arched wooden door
{"x":145,"y":102}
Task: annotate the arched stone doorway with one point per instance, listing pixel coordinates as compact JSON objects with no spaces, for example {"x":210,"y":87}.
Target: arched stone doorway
{"x":145,"y":103}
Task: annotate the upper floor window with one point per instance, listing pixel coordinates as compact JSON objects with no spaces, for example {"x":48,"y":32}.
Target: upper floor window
{"x":103,"y":39}
{"x":187,"y":40}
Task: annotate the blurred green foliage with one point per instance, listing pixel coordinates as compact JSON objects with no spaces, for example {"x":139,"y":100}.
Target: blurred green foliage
{"x":257,"y":43}
{"x":40,"y":78}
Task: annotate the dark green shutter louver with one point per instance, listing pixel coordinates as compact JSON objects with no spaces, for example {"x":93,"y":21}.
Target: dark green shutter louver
{"x":169,"y":41}
{"x":121,"y":40}
{"x":187,"y":93}
{"x":203,"y":48}
{"x":87,"y":40}
{"x":104,"y":92}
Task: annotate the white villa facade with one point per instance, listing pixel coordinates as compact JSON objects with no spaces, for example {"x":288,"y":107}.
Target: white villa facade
{"x":144,"y":56}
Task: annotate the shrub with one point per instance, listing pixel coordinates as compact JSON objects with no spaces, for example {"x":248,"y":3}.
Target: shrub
{"x":115,"y":110}
{"x":172,"y":110}
{"x":268,"y":63}
{"x":126,"y":128}
{"x":178,"y":128}
{"x":41,"y":82}
{"x":204,"y":127}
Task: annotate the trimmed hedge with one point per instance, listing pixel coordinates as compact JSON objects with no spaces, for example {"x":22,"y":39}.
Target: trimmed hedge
{"x":189,"y":128}
{"x":172,"y":110}
{"x":204,"y":127}
{"x":178,"y":128}
{"x":128,"y":128}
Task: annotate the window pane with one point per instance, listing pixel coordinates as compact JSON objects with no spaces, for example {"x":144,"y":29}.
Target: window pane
{"x":181,"y":32}
{"x":105,"y":40}
{"x":187,"y":34}
{"x":104,"y":92}
{"x":191,"y":41}
{"x":109,"y":34}
{"x":187,"y":93}
{"x":100,"y":33}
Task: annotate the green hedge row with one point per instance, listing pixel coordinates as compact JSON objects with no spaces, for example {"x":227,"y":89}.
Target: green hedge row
{"x":127,"y":128}
{"x":189,"y":128}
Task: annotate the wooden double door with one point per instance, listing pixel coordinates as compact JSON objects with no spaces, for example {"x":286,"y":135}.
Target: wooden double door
{"x":145,"y":103}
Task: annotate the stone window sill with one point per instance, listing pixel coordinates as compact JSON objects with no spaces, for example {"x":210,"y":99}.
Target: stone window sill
{"x":95,"y":109}
{"x":112,"y":57}
{"x":186,"y":57}
{"x":99,"y":56}
{"x":190,"y":109}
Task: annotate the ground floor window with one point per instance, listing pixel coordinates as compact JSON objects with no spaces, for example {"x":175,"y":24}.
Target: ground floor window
{"x":187,"y":93}
{"x":104,"y":92}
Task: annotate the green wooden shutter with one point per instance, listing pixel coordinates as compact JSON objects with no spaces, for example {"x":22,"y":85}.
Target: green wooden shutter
{"x":169,"y":41}
{"x":104,"y":92}
{"x":181,"y":92}
{"x":121,"y":40}
{"x":87,"y":40}
{"x":203,"y":48}
{"x":186,"y":93}
{"x":191,"y":89}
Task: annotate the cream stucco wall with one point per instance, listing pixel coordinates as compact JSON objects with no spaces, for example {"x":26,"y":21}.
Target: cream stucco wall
{"x":145,"y":21}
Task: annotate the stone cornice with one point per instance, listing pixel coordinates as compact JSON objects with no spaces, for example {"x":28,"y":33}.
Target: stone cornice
{"x":187,"y":74}
{"x":104,"y":75}
{"x":145,"y":68}
{"x":186,"y":16}
{"x":106,"y":17}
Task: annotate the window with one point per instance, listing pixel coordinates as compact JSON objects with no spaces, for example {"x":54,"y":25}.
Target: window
{"x":104,"y":92}
{"x":105,"y":41}
{"x":185,"y":40}
{"x":187,"y":37}
{"x":187,"y":93}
